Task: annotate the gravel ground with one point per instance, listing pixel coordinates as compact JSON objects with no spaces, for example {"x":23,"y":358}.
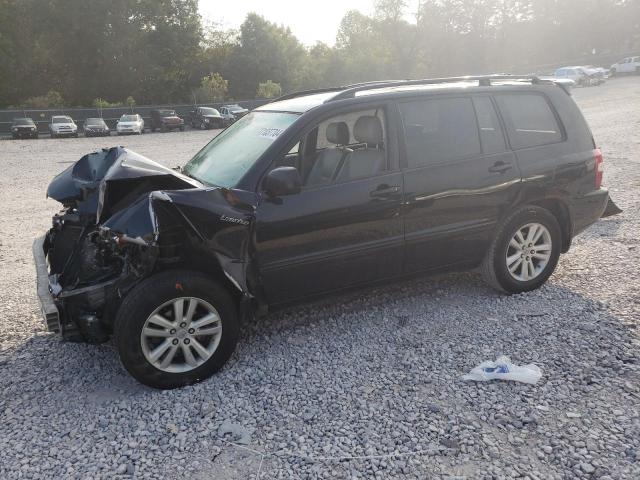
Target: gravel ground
{"x":313,"y":390}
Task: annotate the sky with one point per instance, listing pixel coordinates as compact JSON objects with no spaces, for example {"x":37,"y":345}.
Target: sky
{"x":310,"y":21}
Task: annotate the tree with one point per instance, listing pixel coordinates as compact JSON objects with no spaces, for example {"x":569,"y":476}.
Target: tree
{"x":269,"y":89}
{"x":52,"y":99}
{"x":131,"y":102}
{"x":212,"y":88}
{"x":265,"y":50}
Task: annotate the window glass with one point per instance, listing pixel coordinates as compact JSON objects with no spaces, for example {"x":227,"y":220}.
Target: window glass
{"x":345,"y":147}
{"x":530,"y":120}
{"x":490,"y":131}
{"x":226,"y":158}
{"x":439,"y":130}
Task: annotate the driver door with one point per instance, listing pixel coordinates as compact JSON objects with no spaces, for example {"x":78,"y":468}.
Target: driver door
{"x":338,"y":234}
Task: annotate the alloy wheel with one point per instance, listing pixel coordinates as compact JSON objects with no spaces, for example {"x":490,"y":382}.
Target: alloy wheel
{"x":529,"y":252}
{"x":181,"y":334}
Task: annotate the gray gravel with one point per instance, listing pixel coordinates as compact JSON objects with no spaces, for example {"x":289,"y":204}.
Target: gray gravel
{"x":313,"y":390}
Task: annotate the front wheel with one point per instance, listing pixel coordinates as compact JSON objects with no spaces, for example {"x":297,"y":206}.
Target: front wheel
{"x":524,"y":252}
{"x":176,"y":328}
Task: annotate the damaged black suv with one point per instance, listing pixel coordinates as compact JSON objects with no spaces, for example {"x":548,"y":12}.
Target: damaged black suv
{"x":314,"y":193}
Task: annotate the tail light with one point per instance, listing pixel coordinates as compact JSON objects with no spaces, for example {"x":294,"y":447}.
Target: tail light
{"x":599,"y":167}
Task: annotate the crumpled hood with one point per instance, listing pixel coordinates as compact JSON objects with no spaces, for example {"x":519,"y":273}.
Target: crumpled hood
{"x":103,"y":182}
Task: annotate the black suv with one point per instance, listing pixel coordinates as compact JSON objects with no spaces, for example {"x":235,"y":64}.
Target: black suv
{"x":206,"y":118}
{"x":23,"y":128}
{"x":312,"y":194}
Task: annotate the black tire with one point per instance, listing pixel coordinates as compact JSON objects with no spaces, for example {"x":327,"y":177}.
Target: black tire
{"x":494,"y":267}
{"x":182,"y":128}
{"x":150,"y":294}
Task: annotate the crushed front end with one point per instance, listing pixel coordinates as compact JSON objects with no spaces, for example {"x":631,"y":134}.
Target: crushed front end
{"x":84,"y":265}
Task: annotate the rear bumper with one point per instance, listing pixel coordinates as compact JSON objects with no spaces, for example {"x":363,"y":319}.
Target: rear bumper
{"x":49,"y":309}
{"x":588,"y":209}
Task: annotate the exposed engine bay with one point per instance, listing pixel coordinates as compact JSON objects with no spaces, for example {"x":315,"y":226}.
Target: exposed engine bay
{"x":124,"y":218}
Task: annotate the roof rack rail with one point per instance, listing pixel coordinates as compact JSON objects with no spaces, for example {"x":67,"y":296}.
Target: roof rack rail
{"x":483,"y":81}
{"x":349,"y":91}
{"x":302,"y":93}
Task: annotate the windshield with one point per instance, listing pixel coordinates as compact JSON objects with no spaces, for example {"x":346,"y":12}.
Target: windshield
{"x":167,"y":113}
{"x":228,"y":156}
{"x":61,"y":120}
{"x":209,"y":111}
{"x":94,"y":121}
{"x":22,"y":121}
{"x":129,"y":118}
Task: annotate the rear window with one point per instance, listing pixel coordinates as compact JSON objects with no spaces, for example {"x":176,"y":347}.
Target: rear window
{"x":439,"y":130}
{"x":529,"y":119}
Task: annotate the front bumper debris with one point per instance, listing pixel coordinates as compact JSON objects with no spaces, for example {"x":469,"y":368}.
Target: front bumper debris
{"x":49,"y":310}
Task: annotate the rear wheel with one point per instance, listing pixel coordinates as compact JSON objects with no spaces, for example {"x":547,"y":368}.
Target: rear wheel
{"x":176,"y":328}
{"x":524,"y":252}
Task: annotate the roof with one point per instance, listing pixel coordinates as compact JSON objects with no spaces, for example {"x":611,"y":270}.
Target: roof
{"x":301,"y":102}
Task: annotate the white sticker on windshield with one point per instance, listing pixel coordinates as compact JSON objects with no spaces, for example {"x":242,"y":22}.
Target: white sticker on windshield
{"x":270,"y":133}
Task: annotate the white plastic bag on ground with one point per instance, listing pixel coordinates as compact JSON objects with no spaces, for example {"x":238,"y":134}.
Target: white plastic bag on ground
{"x":503,"y":369}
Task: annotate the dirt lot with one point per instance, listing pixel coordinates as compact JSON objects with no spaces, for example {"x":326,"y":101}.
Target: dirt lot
{"x":368,"y":386}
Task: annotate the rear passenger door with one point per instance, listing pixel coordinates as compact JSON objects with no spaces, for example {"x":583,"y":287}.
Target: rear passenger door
{"x":459,"y":179}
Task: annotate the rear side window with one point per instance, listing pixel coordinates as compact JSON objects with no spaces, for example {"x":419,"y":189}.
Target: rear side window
{"x":490,"y":131}
{"x":439,"y":130}
{"x":530,"y":120}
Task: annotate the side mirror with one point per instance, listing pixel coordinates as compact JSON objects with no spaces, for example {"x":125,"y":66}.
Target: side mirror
{"x":282,"y":181}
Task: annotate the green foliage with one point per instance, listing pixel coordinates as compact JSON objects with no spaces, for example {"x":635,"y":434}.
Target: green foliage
{"x":52,"y":99}
{"x":269,"y":89}
{"x":102,"y":103}
{"x":158,"y":51}
{"x":131,"y":102}
{"x":213,"y":88}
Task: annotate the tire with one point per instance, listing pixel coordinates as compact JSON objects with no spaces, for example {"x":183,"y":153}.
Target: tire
{"x":494,"y":268}
{"x":145,"y":299}
{"x":182,"y":128}
{"x":203,"y":126}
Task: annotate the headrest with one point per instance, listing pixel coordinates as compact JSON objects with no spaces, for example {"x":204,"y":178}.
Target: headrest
{"x":338,"y":133}
{"x":368,"y":129}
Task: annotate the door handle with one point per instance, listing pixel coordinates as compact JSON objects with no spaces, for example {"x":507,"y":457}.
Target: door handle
{"x":500,"y":167}
{"x":384,"y":191}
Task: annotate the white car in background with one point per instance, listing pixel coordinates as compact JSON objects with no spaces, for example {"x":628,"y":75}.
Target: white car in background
{"x":62,"y":126}
{"x":580,"y":75}
{"x":626,"y":65}
{"x":130,"y":124}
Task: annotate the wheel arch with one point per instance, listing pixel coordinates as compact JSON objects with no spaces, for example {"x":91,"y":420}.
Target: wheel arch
{"x":560,"y":210}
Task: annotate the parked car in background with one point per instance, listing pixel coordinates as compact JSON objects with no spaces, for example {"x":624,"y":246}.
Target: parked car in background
{"x":395,"y":179}
{"x":130,"y":124}
{"x":602,"y":73}
{"x":236,"y":110}
{"x":165,"y":119}
{"x":62,"y":126}
{"x":227,"y":117}
{"x":95,"y":127}
{"x":206,"y":118}
{"x":626,"y":65}
{"x":24,"y":128}
{"x":580,"y":75}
